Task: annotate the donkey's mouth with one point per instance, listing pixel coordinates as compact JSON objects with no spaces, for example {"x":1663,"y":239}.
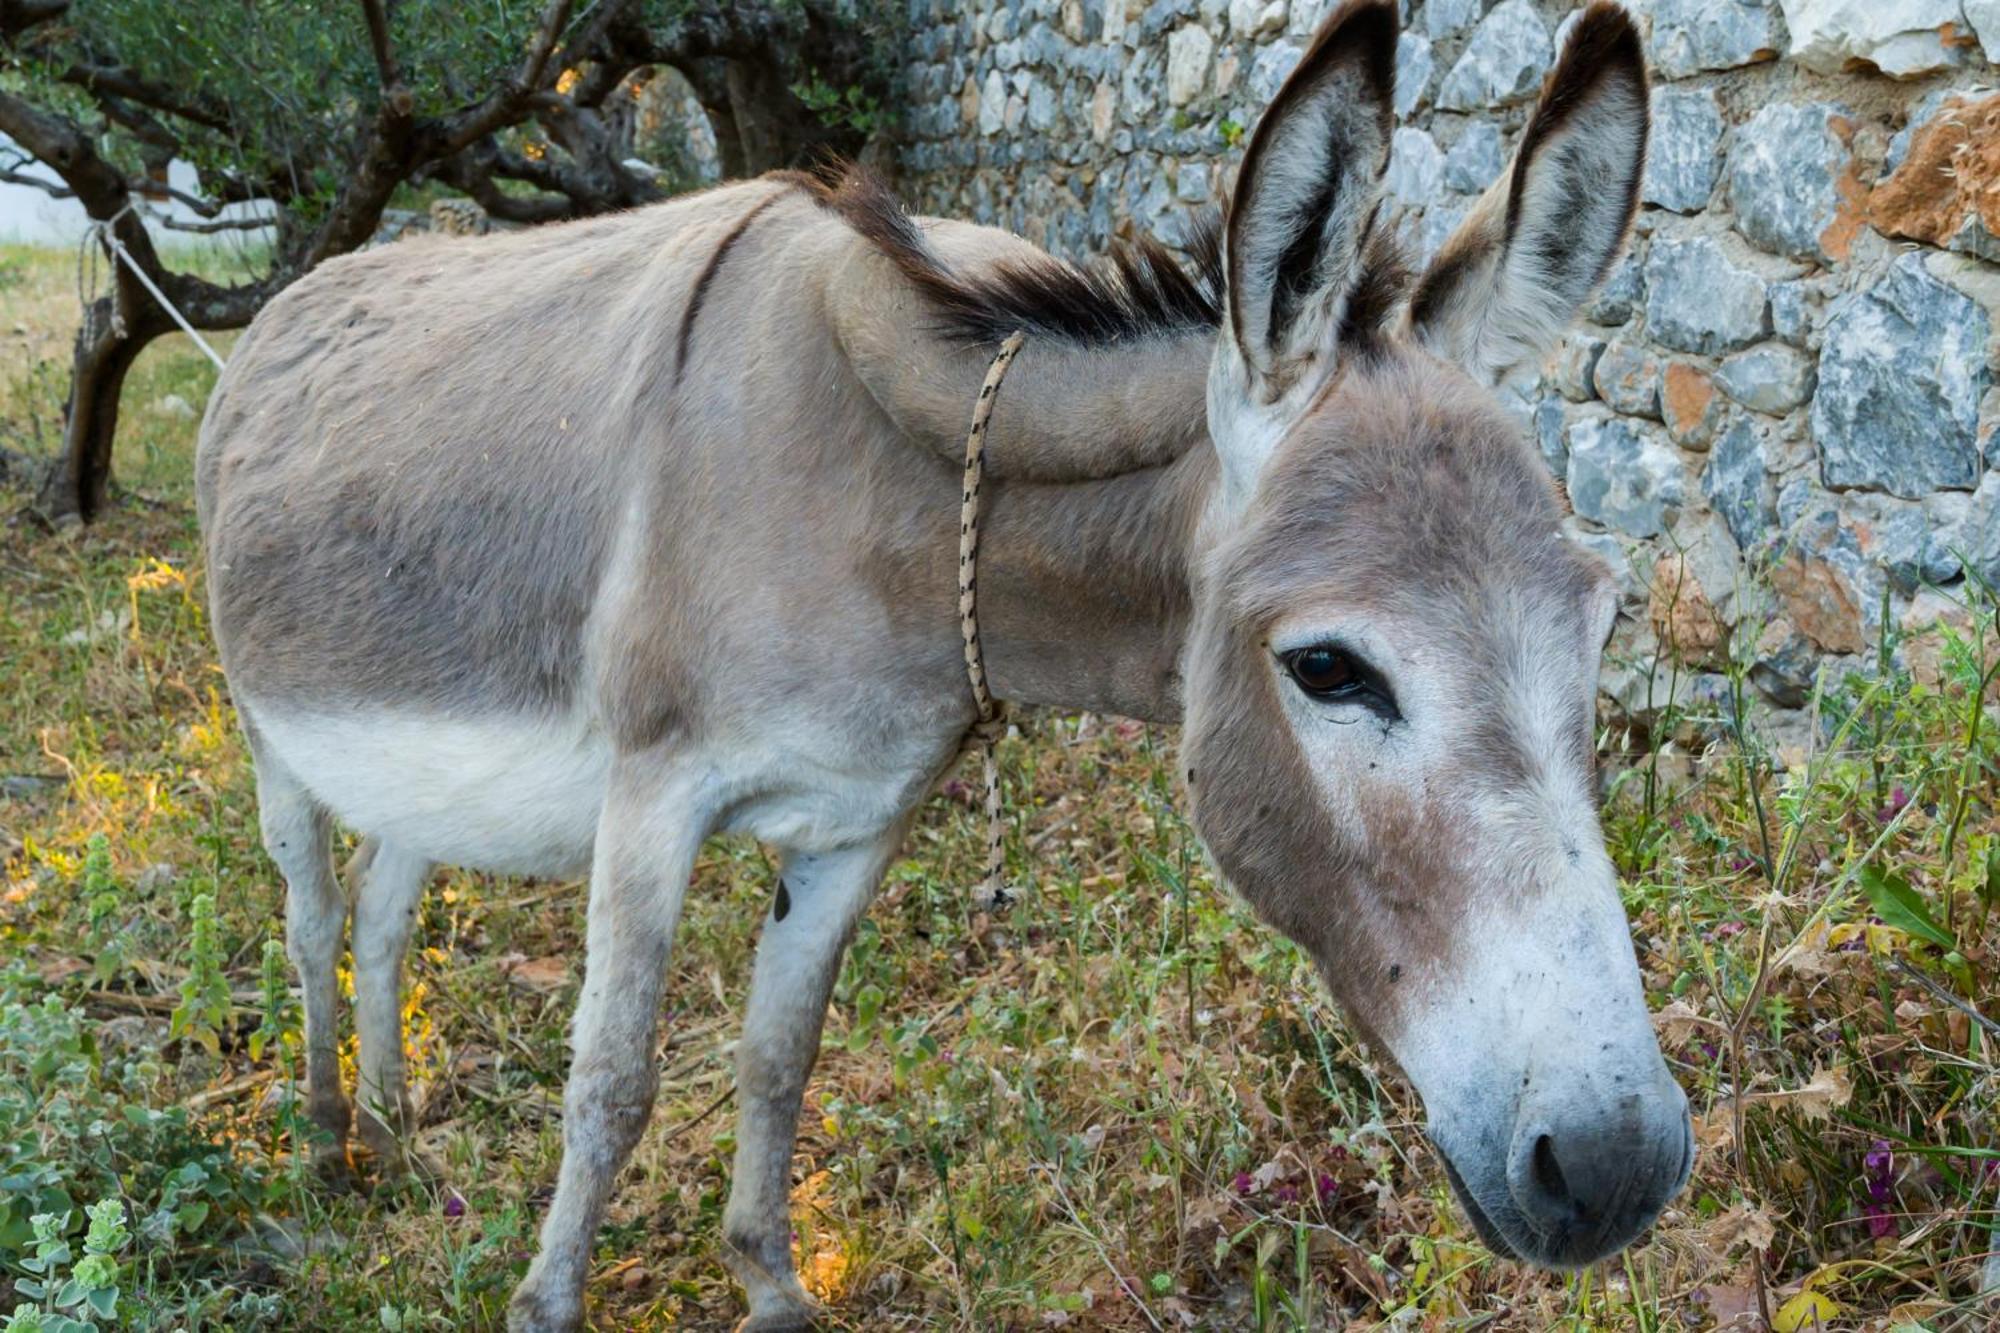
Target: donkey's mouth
{"x":1495,"y":1239}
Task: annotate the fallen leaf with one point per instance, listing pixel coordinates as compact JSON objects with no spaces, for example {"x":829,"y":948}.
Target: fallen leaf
{"x":1675,"y":1023}
{"x":1807,"y":1312}
{"x":1745,"y":1224}
{"x":543,"y":975}
{"x":1731,"y":1304}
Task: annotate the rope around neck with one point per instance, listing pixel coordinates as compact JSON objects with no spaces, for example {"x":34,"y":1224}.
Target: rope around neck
{"x":991,"y":722}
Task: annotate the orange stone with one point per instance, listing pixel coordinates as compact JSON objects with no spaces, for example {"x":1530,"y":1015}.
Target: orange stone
{"x":1952,"y":174}
{"x":1820,"y":603}
{"x":1684,"y":619}
{"x":1687,"y":395}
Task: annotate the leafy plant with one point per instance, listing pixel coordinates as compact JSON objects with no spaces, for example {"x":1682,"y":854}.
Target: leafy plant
{"x":92,"y":1285}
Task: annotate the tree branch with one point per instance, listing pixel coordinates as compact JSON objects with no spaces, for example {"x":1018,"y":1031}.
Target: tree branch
{"x":378,"y":38}
{"x":454,"y":132}
{"x":17,"y":16}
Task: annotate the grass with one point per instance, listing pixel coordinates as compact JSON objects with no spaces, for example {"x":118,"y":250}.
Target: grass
{"x":1120,"y":1105}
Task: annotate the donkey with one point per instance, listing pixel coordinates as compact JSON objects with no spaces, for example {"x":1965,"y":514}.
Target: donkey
{"x":574,"y":546}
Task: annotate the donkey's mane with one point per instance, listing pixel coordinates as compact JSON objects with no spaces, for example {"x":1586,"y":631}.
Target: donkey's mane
{"x":1141,"y":290}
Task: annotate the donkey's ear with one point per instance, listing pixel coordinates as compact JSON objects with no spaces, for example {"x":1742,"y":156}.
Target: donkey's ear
{"x":1509,"y":280}
{"x":1299,"y":221}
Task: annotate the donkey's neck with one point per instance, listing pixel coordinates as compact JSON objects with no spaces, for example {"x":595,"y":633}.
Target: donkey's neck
{"x":1084,"y":587}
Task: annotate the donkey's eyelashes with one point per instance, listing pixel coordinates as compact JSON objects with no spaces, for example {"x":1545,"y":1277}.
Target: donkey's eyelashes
{"x":1334,"y":674}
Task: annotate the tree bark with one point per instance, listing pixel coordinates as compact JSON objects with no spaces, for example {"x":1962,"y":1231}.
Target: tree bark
{"x":79,"y":483}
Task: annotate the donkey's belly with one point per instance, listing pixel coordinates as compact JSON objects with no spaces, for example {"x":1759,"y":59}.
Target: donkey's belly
{"x":513,"y":794}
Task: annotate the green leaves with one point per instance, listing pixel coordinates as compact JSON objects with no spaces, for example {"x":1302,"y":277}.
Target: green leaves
{"x":1903,"y":907}
{"x":204,"y":1006}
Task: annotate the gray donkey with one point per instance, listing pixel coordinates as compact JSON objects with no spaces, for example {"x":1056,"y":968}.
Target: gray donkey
{"x":572,"y":547}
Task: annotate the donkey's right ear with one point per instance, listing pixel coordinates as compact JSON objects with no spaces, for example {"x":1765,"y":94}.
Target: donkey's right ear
{"x":1299,"y":221}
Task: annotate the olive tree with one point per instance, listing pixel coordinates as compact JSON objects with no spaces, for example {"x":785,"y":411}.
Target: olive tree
{"x":314,"y":115}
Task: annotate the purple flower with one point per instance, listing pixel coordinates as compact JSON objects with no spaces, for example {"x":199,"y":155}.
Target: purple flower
{"x":1741,"y":863}
{"x":1243,"y":1183}
{"x":1878,"y":1170}
{"x":1286,"y":1192}
{"x":454,"y":1204}
{"x":1326,"y":1186}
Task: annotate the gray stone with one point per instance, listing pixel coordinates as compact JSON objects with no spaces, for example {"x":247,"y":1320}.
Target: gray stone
{"x":1689,"y":36}
{"x":1769,"y":377}
{"x":1416,"y":168}
{"x":1983,"y":17}
{"x":1256,"y":18}
{"x":1191,"y":183}
{"x":1900,"y":379}
{"x":1739,"y":487}
{"x":1414,"y":70}
{"x":1189,"y":53}
{"x":1476,"y":160}
{"x":1442,"y":18}
{"x":1902,"y":38}
{"x":1791,"y":315}
{"x":1270,"y":69}
{"x":1979,"y":531}
{"x":1041,"y":107}
{"x":1138,"y":90}
{"x":1699,"y":300}
{"x":1575,"y":366}
{"x":1504,"y":62}
{"x":1550,"y":435}
{"x":1912,"y":543}
{"x":1628,"y":380}
{"x":993,"y":103}
{"x":1685,"y":151}
{"x":1785,"y":665}
{"x":1622,"y":291}
{"x":1783,"y":174}
{"x":1623,"y":476}
{"x":1425,"y":235}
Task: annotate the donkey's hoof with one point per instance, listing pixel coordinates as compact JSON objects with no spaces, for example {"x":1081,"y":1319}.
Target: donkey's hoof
{"x":397,"y":1156}
{"x":531,"y":1312}
{"x":786,"y":1319}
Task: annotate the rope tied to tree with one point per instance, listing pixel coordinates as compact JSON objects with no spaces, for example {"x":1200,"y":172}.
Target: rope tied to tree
{"x":100,"y":234}
{"x":990,"y":723}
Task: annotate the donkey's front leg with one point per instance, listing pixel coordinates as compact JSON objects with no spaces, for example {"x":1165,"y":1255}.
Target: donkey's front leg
{"x":647,"y":839}
{"x":820,"y":897}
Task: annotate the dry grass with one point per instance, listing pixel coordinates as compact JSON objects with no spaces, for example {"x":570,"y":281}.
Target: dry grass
{"x":1121,"y":1105}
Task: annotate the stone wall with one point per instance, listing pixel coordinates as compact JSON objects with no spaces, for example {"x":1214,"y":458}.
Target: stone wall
{"x":1779,"y":409}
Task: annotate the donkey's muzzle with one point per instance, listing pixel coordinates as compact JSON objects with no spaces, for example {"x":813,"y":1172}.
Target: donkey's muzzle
{"x":1586,"y":1177}
{"x":1578,"y":1177}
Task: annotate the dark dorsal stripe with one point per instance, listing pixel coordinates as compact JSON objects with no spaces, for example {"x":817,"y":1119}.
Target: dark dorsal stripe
{"x":708,"y":272}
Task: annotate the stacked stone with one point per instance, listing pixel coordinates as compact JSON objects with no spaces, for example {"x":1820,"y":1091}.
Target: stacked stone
{"x":1779,"y":413}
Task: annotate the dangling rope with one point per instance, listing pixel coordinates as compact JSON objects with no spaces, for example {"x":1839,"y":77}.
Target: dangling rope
{"x":991,"y":722}
{"x":100,"y":234}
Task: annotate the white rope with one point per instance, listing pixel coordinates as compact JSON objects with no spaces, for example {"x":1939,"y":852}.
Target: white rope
{"x":102,"y":234}
{"x":991,"y":722}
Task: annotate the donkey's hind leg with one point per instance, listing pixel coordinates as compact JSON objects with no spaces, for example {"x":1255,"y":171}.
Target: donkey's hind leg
{"x":298,"y":834}
{"x":388,"y":893}
{"x":819,"y":900}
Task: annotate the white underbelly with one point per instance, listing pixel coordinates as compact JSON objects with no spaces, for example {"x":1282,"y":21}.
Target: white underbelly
{"x":503,"y":793}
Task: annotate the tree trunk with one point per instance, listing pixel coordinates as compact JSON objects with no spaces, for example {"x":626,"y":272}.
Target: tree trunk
{"x":80,"y":482}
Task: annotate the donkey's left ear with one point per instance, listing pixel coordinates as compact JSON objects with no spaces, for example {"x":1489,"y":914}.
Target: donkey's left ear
{"x":1509,"y":280}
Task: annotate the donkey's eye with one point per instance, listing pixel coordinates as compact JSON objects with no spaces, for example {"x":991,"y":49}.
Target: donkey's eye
{"x":1326,"y":672}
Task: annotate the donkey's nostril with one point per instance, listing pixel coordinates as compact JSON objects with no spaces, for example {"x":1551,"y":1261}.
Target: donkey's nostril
{"x":1548,"y":1172}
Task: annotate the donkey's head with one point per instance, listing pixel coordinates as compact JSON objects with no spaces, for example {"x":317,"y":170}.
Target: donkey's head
{"x":1392,"y":672}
